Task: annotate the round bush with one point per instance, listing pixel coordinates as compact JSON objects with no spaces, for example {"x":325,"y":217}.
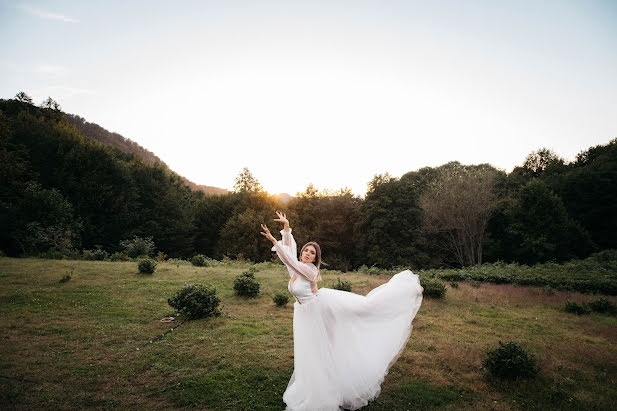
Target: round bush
{"x":245,"y":285}
{"x":138,"y":246}
{"x":433,"y":287}
{"x":280,"y":299}
{"x":602,"y":305}
{"x":147,"y":266}
{"x":98,"y":254}
{"x":574,"y":308}
{"x":344,"y":285}
{"x":198,"y":260}
{"x":196,"y":301}
{"x":510,"y":361}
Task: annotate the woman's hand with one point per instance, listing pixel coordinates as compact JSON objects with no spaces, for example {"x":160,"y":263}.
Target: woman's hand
{"x":266,"y":233}
{"x":283,"y":219}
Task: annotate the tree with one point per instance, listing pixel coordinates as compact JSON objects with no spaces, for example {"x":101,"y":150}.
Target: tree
{"x":459,"y":204}
{"x":540,"y":228}
{"x":51,"y":104}
{"x":389,"y":229}
{"x":23,"y":97}
{"x":246,"y":183}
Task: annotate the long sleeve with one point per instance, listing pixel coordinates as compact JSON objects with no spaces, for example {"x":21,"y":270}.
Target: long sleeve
{"x":308,"y":271}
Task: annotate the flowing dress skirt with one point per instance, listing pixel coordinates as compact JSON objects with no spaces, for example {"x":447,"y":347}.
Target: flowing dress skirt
{"x":345,"y":343}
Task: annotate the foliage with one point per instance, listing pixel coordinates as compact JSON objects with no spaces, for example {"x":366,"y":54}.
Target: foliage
{"x":199,"y":260}
{"x":246,"y":183}
{"x":67,"y":277}
{"x":602,"y":305}
{"x":245,"y":285}
{"x":510,"y":361}
{"x":575,"y":308}
{"x":147,"y":265}
{"x":454,"y":284}
{"x":432,"y":287}
{"x":390,"y":224}
{"x":118,"y":256}
{"x":138,"y":247}
{"x":458,"y":204}
{"x":344,"y":285}
{"x":280,"y":299}
{"x":541,"y":229}
{"x":595,"y":274}
{"x":96,"y":254}
{"x":196,"y":301}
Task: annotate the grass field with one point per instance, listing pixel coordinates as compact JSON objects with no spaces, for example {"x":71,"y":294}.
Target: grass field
{"x":86,"y":343}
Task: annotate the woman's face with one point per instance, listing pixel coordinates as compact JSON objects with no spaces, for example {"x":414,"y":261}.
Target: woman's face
{"x":308,"y":254}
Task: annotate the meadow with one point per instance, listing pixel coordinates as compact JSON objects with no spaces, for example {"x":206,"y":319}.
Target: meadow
{"x":94,"y":341}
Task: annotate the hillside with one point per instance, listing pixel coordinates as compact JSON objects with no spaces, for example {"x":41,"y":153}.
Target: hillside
{"x":98,"y":133}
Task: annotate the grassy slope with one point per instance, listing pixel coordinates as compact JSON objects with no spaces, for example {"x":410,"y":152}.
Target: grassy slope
{"x":74,"y":344}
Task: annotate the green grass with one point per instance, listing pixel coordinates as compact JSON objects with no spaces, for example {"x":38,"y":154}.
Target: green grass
{"x":85,"y":343}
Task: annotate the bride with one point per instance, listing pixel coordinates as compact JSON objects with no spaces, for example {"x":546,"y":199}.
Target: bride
{"x":344,"y":343}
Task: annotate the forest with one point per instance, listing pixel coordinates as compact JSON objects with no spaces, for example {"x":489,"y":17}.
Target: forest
{"x":62,"y":192}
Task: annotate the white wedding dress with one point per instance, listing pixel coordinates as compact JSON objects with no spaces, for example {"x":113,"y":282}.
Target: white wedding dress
{"x":344,"y":343}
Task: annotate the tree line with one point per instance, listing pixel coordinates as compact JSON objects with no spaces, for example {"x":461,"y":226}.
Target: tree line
{"x":64,"y":192}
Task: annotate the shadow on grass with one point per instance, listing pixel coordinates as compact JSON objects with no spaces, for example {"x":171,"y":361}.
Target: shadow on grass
{"x":421,"y":395}
{"x":232,"y":389}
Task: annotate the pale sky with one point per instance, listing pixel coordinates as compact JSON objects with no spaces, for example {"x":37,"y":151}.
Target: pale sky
{"x":323,"y":92}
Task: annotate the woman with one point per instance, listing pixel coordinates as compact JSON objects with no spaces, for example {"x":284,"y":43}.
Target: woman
{"x":344,"y":343}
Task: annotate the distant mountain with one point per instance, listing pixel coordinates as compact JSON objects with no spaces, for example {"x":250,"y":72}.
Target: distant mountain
{"x":98,"y":133}
{"x":284,"y":197}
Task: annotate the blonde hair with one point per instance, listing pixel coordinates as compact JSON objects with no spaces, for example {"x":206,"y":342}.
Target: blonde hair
{"x":317,"y":261}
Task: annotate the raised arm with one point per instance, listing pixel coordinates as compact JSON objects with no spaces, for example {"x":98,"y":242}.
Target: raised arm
{"x":286,"y":229}
{"x":309,"y":271}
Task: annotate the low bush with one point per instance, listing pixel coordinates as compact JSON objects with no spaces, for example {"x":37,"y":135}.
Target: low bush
{"x":602,"y":305}
{"x":344,"y":285}
{"x":510,"y":361}
{"x":575,"y":308}
{"x":118,"y":256}
{"x":146,"y":266}
{"x":280,"y":299}
{"x":138,"y":247}
{"x":198,"y":260}
{"x":433,"y":287}
{"x":454,"y":284}
{"x":97,"y":254}
{"x":245,"y":285}
{"x":196,"y":301}
{"x":67,"y":277}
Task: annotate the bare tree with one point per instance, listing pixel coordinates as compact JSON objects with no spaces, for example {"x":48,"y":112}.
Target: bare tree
{"x":459,"y":204}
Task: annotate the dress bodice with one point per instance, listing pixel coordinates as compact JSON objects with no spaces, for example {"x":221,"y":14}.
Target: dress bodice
{"x":300,"y":288}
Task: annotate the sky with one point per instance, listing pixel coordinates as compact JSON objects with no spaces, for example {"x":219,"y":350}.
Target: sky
{"x":323,"y":92}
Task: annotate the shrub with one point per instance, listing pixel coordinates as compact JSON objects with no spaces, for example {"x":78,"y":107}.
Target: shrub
{"x":146,"y":266}
{"x":117,"y":256}
{"x":98,"y":254}
{"x":454,"y":284}
{"x":433,"y":288}
{"x":138,"y":247}
{"x":198,"y":260}
{"x":602,"y":305}
{"x":510,"y":361}
{"x":245,"y":285}
{"x":280,"y":299}
{"x":67,"y":277}
{"x":577,"y":309}
{"x":196,"y":301}
{"x":344,"y":285}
